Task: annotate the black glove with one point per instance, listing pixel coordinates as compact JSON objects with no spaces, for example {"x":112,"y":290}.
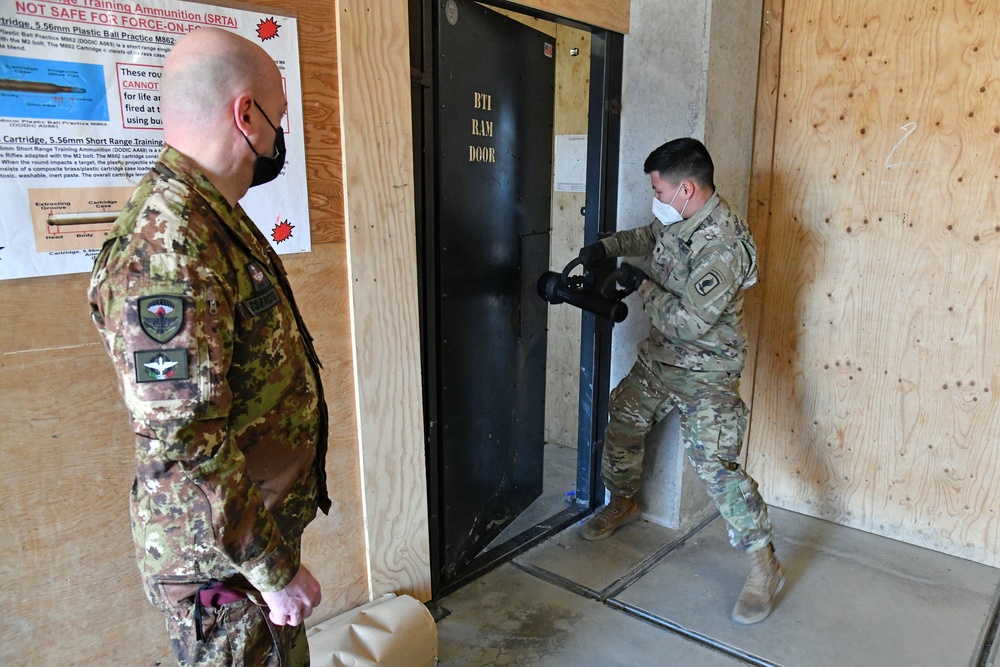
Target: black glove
{"x":592,"y":254}
{"x":630,"y":277}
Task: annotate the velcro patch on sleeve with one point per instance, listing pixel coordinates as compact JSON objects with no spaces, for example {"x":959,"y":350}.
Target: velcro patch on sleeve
{"x":710,"y":284}
{"x":707,"y":282}
{"x":161,"y":316}
{"x":265,"y":295}
{"x":161,"y":365}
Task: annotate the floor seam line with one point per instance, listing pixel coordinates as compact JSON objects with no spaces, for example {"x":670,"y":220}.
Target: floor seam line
{"x":557,"y":580}
{"x":642,"y":569}
{"x":991,"y":634}
{"x":691,"y":635}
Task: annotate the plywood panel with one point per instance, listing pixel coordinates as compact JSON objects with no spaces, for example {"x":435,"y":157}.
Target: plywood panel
{"x":71,"y":592}
{"x":876,"y":389}
{"x":334,"y":544}
{"x":759,"y":202}
{"x":541,"y":25}
{"x":562,"y":366}
{"x":378,"y":168}
{"x":43,"y":313}
{"x":610,"y":14}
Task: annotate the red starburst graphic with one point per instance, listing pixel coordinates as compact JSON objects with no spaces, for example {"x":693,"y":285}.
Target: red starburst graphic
{"x":282,"y":231}
{"x":267,"y":29}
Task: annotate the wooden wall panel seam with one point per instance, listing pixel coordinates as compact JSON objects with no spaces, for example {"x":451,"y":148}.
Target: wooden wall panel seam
{"x":759,"y":206}
{"x":378,"y":182}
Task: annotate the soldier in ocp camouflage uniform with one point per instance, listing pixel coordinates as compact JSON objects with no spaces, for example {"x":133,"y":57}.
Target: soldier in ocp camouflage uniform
{"x":216,"y":368}
{"x":703,"y":257}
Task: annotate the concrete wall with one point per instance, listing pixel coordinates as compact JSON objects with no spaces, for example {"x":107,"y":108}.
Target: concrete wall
{"x":690,"y":69}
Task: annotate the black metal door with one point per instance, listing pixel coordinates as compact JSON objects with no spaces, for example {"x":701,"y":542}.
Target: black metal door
{"x":493,"y":102}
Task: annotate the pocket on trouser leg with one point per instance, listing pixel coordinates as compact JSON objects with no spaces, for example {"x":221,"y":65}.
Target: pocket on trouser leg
{"x":174,"y":596}
{"x":235,"y":635}
{"x":212,"y":651}
{"x":751,"y":520}
{"x":624,"y":438}
{"x":253,"y":639}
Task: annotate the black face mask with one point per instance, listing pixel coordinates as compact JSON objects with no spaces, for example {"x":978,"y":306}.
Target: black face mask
{"x":265,"y":168}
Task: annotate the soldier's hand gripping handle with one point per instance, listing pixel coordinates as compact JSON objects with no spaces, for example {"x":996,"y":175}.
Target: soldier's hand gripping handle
{"x":592,"y":254}
{"x":630,"y":277}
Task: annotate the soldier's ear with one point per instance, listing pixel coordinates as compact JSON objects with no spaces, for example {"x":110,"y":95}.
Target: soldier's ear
{"x":241,"y":113}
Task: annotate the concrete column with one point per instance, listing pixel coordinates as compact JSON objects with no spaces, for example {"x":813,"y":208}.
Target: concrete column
{"x":690,"y":69}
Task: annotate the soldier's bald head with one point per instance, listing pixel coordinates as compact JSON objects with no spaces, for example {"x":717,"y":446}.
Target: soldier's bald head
{"x":205,"y":71}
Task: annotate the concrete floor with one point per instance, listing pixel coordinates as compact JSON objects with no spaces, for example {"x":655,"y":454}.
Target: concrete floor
{"x":652,"y":596}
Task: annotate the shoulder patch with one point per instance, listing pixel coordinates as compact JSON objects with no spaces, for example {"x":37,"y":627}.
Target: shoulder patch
{"x":257,"y":277}
{"x":708,"y":282}
{"x":711,"y":284}
{"x":161,"y":365}
{"x":161,"y":316}
{"x":264,"y":294}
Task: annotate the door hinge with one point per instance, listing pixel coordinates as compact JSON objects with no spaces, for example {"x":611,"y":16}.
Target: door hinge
{"x":614,"y":106}
{"x":419,"y":78}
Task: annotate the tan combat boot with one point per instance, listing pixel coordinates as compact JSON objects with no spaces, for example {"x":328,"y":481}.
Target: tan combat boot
{"x":765,"y":580}
{"x":618,"y":512}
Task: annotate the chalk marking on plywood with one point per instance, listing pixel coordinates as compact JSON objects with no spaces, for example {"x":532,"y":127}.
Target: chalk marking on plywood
{"x":909,"y":128}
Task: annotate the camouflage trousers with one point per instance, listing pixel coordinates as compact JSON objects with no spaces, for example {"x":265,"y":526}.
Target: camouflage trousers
{"x":713,"y":420}
{"x":238,"y":634}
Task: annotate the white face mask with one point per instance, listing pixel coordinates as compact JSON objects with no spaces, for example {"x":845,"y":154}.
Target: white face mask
{"x":666,"y":213}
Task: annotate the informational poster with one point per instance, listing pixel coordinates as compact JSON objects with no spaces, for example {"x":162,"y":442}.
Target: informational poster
{"x":80,"y":123}
{"x":571,"y":163}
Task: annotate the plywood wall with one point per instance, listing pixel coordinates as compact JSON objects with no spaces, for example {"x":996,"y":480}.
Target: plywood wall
{"x":876,"y":391}
{"x":562,"y":365}
{"x":610,"y":14}
{"x":759,"y":201}
{"x":71,"y":593}
{"x":381,"y":223}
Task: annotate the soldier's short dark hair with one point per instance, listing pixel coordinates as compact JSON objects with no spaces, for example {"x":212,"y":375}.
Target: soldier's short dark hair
{"x":681,"y":159}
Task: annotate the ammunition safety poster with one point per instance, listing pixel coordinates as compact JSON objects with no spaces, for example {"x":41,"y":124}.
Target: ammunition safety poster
{"x":80,"y":123}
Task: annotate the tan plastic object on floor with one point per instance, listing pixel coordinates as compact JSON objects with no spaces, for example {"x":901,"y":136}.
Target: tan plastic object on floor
{"x":392,"y":631}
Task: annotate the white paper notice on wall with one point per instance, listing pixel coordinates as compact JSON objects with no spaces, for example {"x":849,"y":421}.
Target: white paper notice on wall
{"x":80,"y":123}
{"x":571,"y":162}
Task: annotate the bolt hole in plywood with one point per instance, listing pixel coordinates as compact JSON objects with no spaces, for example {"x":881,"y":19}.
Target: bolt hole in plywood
{"x":882,"y":247}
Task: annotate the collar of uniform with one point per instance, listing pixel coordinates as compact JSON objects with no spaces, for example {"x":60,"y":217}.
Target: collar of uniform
{"x":687,"y":228}
{"x":187,"y":170}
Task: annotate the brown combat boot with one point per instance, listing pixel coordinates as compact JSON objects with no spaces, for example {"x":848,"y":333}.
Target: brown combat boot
{"x":618,"y":512}
{"x":765,"y":580}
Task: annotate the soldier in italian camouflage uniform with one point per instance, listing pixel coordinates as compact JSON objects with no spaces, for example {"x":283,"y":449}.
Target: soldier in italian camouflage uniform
{"x":217,"y":370}
{"x":703,"y":257}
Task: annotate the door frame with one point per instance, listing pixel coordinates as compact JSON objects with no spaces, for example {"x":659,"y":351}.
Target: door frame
{"x":595,"y":360}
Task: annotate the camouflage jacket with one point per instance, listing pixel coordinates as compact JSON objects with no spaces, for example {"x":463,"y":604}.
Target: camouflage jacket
{"x":221,"y":382}
{"x":700,"y":268}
